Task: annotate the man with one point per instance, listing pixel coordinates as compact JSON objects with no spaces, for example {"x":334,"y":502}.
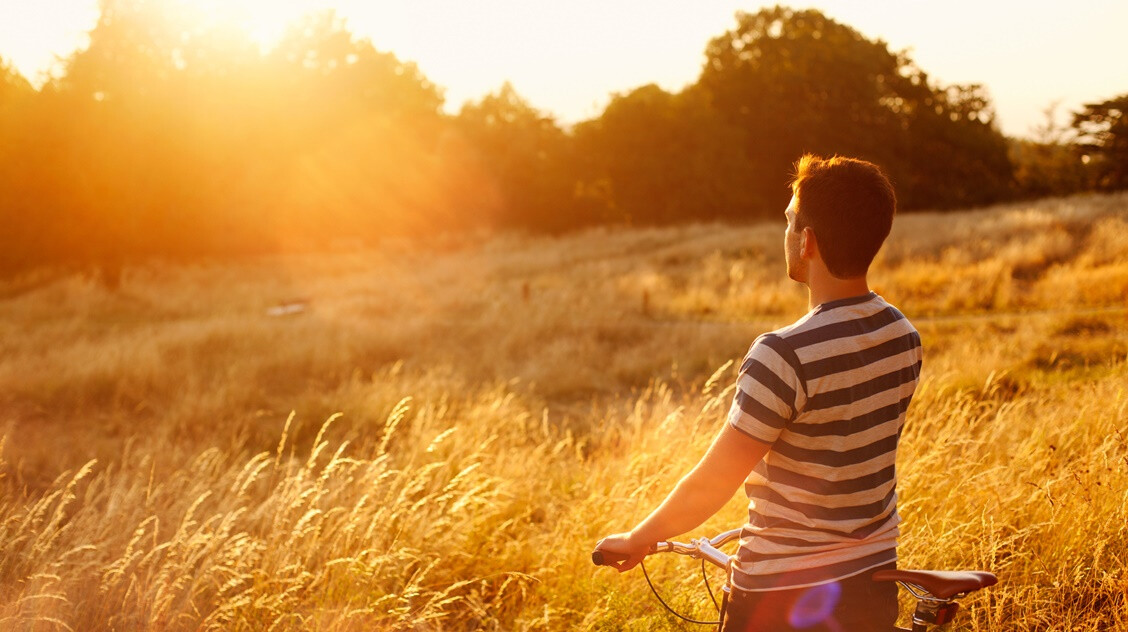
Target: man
{"x":813,"y":428}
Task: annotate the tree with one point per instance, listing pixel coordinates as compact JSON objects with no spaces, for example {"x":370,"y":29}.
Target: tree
{"x":656,"y":157}
{"x":353,"y":138}
{"x":17,"y":182}
{"x":1102,"y":130}
{"x":172,"y":135}
{"x":530,"y":160}
{"x":329,"y":75}
{"x":796,"y":81}
{"x":141,"y":170}
{"x":952,"y":155}
{"x":1049,"y":163}
{"x":13,"y":86}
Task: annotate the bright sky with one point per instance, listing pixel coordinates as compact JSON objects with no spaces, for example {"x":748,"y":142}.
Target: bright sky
{"x":568,"y":56}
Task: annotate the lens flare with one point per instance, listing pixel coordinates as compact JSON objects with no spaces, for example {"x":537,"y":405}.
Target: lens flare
{"x":814,"y":606}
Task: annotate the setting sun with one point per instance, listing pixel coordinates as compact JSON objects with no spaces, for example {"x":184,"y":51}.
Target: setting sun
{"x":264,"y":22}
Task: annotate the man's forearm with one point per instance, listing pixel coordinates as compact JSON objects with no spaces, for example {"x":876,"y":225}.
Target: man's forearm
{"x":688,"y":505}
{"x":706,"y":488}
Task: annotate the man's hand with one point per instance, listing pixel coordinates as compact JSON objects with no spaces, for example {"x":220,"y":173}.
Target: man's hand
{"x":624,"y":544}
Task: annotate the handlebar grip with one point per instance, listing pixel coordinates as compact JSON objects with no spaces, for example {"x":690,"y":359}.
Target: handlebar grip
{"x":606,"y":558}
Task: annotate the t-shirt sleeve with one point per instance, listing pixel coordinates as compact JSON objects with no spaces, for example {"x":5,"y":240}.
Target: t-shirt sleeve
{"x":769,"y":391}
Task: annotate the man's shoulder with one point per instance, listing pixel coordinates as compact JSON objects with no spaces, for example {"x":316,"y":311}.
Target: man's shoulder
{"x":835,"y":321}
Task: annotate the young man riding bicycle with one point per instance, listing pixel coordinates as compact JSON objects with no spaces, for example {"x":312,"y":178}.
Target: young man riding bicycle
{"x":813,"y":428}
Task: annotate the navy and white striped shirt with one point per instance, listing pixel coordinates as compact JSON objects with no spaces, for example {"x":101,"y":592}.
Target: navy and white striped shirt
{"x":829,"y":394}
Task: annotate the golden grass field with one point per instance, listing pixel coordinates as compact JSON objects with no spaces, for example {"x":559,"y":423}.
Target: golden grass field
{"x":440,"y":438}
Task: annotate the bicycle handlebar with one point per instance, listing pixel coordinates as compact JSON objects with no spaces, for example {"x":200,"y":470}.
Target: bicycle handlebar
{"x":701,"y":548}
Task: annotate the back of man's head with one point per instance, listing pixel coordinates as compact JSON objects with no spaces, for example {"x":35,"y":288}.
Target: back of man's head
{"x":849,"y":204}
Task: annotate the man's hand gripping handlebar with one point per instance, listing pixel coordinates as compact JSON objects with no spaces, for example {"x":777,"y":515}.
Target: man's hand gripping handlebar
{"x":616,"y":551}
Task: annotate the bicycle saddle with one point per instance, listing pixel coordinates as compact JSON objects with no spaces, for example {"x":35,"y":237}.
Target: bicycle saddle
{"x":940,"y":584}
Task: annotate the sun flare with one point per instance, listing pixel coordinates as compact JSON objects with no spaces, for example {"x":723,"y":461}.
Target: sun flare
{"x":263,"y":22}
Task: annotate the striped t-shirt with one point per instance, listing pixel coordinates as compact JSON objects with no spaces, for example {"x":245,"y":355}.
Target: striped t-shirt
{"x":829,"y":394}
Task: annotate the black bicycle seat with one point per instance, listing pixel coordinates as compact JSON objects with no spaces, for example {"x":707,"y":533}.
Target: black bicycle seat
{"x":940,"y":584}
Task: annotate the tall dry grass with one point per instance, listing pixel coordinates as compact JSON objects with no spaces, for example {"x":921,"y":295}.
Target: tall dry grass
{"x":506,"y":401}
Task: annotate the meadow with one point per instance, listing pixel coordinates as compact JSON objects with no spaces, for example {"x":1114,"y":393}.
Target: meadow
{"x":438,"y":437}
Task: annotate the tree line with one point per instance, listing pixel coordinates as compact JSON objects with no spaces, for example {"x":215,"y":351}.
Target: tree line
{"x":169,"y":137}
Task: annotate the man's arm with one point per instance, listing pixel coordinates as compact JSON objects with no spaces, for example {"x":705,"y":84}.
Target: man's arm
{"x":699,"y":495}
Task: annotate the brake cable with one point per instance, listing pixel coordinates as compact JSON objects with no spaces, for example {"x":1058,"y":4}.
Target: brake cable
{"x":667,"y":606}
{"x":705,"y":580}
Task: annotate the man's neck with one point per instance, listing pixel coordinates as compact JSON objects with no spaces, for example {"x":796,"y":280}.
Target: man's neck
{"x":822,"y":287}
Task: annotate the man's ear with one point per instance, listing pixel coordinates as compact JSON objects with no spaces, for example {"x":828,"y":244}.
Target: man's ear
{"x":808,"y":246}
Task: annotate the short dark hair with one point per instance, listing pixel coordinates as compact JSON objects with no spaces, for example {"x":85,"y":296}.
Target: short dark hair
{"x":849,"y":204}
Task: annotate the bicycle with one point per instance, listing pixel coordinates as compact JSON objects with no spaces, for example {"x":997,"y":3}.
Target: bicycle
{"x":936,"y":592}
